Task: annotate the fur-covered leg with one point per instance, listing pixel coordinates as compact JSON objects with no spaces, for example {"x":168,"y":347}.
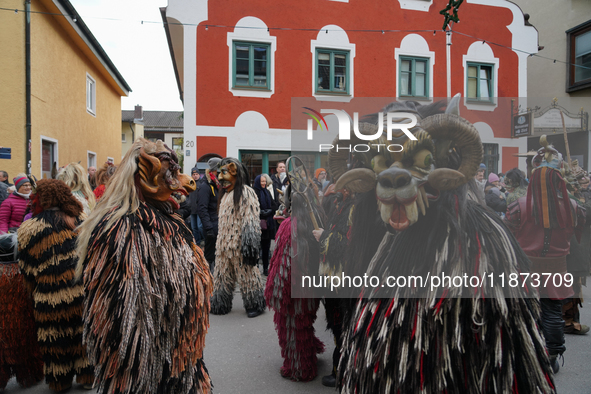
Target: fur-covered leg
{"x":252,"y":288}
{"x":223,"y":288}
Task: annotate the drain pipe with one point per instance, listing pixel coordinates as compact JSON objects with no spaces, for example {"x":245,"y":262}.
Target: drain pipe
{"x":28,"y":86}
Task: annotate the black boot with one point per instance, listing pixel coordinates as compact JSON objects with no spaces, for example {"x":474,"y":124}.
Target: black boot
{"x":554,"y":364}
{"x":253,"y":312}
{"x":329,"y":380}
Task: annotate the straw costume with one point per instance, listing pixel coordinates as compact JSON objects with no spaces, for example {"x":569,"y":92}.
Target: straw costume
{"x":413,"y":339}
{"x":47,"y":245}
{"x":148,"y":285}
{"x":238,"y":242}
{"x":294,"y":317}
{"x":19,"y":349}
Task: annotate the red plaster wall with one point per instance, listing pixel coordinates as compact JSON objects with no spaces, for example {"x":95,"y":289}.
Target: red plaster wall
{"x":375,"y":67}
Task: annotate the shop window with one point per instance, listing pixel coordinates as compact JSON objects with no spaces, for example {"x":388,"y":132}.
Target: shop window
{"x":491,"y":158}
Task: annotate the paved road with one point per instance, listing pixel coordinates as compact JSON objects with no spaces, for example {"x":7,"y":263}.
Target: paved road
{"x":243,"y":356}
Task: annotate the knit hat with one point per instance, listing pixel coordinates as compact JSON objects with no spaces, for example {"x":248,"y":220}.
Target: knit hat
{"x":492,"y":177}
{"x":194,"y":170}
{"x":482,"y":166}
{"x":214,"y":163}
{"x":19,"y":181}
{"x":318,"y":171}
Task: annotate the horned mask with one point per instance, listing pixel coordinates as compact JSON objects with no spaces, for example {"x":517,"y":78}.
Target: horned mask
{"x":445,"y":155}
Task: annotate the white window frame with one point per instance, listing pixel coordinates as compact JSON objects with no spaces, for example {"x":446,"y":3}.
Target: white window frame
{"x":90,"y":95}
{"x":251,"y":29}
{"x":416,"y":5}
{"x":123,"y":137}
{"x":55,"y":152}
{"x":333,"y":37}
{"x":482,"y":53}
{"x":89,"y":160}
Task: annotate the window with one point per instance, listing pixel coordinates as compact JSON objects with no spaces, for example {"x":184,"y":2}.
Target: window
{"x":332,"y":71}
{"x":123,"y":137}
{"x":579,"y":50}
{"x":177,"y":144}
{"x":49,"y":157}
{"x":251,"y":65}
{"x":480,"y":82}
{"x":90,"y":95}
{"x":491,"y":157}
{"x":414,"y":76}
{"x":91,"y":159}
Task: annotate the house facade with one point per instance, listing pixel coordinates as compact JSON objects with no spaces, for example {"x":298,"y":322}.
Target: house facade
{"x":72,"y":111}
{"x":152,"y":125}
{"x":240,"y":64}
{"x":559,"y":79}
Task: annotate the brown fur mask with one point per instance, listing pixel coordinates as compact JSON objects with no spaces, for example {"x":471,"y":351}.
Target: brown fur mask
{"x":51,"y":193}
{"x":159,"y":179}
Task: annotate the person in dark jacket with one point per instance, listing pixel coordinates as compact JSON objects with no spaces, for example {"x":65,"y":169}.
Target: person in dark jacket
{"x":268,"y":207}
{"x":494,"y":195}
{"x":207,"y":208}
{"x":3,"y":191}
{"x":192,"y":200}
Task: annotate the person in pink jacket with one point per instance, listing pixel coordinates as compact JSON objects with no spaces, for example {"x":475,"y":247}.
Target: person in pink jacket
{"x":13,"y":208}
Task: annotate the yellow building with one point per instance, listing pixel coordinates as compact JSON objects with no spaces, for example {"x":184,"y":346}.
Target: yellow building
{"x":74,"y":103}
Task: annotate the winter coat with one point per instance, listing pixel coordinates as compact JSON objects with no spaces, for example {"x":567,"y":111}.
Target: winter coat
{"x":277,"y":185}
{"x":12,"y":212}
{"x":268,"y":207}
{"x":494,"y":201}
{"x":192,"y":200}
{"x":3,"y":192}
{"x":207,"y":204}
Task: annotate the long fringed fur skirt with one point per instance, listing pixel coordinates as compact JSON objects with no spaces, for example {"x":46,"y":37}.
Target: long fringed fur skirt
{"x":19,"y":350}
{"x":294,"y":317}
{"x":226,"y":274}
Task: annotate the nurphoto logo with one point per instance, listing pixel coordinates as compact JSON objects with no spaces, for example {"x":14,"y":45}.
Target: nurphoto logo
{"x":403,"y":121}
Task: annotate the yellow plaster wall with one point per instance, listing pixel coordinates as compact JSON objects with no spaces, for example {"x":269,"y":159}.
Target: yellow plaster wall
{"x":59,"y":69}
{"x":129,"y":136}
{"x":12,"y":86}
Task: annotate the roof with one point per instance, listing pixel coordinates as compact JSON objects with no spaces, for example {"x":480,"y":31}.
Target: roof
{"x":162,"y":120}
{"x":84,"y":32}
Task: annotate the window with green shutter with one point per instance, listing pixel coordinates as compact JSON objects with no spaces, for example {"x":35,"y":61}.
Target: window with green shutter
{"x":480,"y":82}
{"x":413,"y":77}
{"x":251,"y":65}
{"x":332,"y":71}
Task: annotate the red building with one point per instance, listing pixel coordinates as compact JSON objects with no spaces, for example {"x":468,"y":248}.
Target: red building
{"x":239,"y":64}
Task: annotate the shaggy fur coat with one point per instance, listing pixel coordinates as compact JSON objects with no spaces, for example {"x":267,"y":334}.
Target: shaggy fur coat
{"x":236,"y":254}
{"x":147,"y":306}
{"x":47,"y":247}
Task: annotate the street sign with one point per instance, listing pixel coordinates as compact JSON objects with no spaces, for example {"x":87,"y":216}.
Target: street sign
{"x":5,"y":153}
{"x":522,"y":125}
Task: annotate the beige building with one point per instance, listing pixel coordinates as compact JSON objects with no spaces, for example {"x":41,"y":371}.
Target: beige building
{"x":559,"y":76}
{"x":72,"y":111}
{"x":152,"y":125}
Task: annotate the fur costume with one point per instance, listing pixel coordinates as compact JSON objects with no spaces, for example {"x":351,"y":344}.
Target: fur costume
{"x":19,"y":349}
{"x":294,"y":317}
{"x":238,"y":243}
{"x":148,"y":285}
{"x":446,"y":340}
{"x":47,"y":244}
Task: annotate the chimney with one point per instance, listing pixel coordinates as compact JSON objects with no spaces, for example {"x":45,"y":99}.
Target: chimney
{"x":138,"y":113}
